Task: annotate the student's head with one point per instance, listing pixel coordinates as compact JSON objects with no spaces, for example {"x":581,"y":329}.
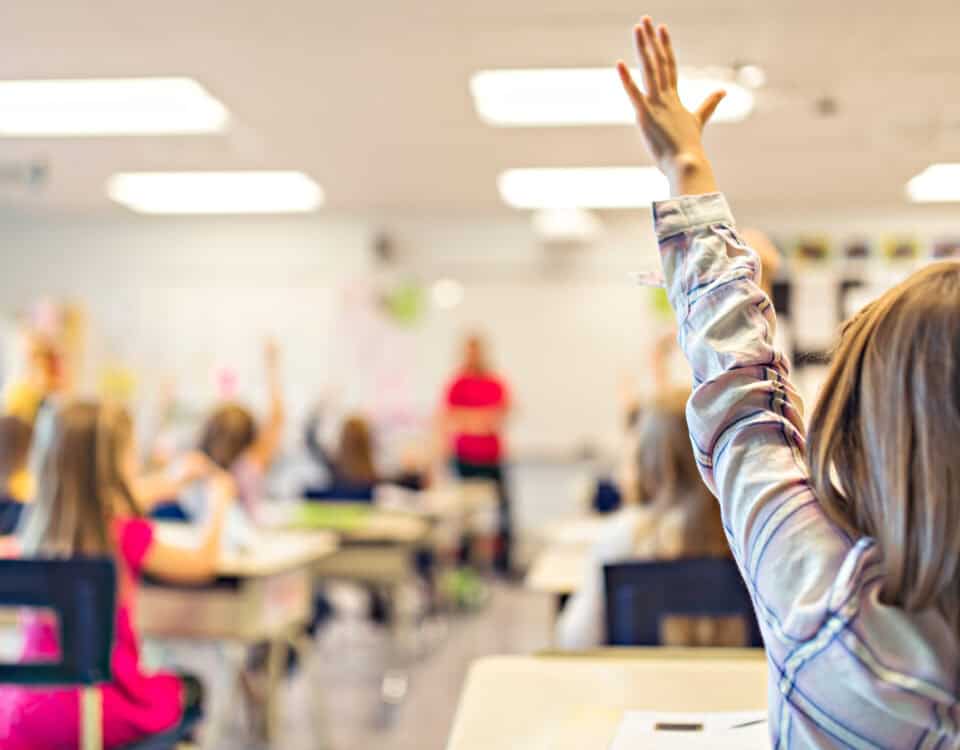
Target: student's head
{"x":668,"y":476}
{"x":475,"y":353}
{"x":355,"y":451}
{"x":15,"y":437}
{"x":88,"y":463}
{"x":228,"y":432}
{"x":883,"y":439}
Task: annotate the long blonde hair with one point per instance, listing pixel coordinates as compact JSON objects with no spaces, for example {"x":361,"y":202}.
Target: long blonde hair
{"x":668,"y":477}
{"x":883,"y":439}
{"x":355,"y":452}
{"x":15,"y":437}
{"x":80,"y":482}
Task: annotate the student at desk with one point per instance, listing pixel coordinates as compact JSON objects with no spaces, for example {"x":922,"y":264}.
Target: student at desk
{"x":235,"y":442}
{"x":85,"y":507}
{"x":845,"y":531}
{"x":352,"y":471}
{"x":679,"y":518}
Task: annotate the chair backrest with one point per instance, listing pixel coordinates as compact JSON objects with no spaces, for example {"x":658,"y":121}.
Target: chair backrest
{"x":640,"y":594}
{"x":340,"y":493}
{"x":82,"y":593}
{"x":10,"y":512}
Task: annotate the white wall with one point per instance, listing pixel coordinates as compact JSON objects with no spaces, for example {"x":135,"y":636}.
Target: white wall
{"x":181,"y":297}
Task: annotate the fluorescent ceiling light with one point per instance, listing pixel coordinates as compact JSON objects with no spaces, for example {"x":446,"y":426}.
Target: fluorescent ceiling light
{"x":588,"y":96}
{"x":583,"y":187}
{"x":938,"y":183}
{"x":215,"y":192}
{"x":118,"y":106}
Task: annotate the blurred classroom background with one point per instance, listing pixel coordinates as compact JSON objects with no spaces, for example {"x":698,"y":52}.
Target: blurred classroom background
{"x":395,"y":232}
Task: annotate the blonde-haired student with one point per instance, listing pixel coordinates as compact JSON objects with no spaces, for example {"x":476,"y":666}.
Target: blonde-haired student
{"x":85,"y":507}
{"x":677,"y":518}
{"x":847,"y":535}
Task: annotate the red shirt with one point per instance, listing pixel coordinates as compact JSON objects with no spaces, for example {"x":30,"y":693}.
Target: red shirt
{"x":477,"y":391}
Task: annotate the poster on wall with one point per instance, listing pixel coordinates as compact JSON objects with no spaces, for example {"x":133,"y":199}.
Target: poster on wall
{"x":900,"y":249}
{"x":944,"y":249}
{"x":857,"y":250}
{"x":813,"y":250}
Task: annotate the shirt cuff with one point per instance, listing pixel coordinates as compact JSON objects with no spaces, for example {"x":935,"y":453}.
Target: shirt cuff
{"x":688,"y":212}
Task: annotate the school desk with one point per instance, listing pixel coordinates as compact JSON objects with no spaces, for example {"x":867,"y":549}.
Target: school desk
{"x":454,"y":502}
{"x":377,"y":548}
{"x":577,"y":702}
{"x":576,"y":531}
{"x":558,"y":570}
{"x":261,"y":595}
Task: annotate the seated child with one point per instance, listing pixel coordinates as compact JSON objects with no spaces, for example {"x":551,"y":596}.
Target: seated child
{"x":676,"y":517}
{"x":85,"y":507}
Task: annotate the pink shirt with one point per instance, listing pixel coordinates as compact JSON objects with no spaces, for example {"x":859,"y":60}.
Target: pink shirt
{"x":135,"y":704}
{"x":477,"y":391}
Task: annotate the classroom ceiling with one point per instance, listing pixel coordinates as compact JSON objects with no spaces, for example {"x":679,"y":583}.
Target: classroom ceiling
{"x":370,"y":97}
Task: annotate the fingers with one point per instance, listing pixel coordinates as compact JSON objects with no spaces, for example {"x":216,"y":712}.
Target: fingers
{"x":705,"y":111}
{"x":659,"y":53}
{"x":645,"y":52}
{"x":666,"y":44}
{"x":650,"y":37}
{"x":636,"y":96}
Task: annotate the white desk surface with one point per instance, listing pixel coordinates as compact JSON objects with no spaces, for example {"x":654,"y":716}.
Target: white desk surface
{"x":577,"y":702}
{"x":558,"y":570}
{"x":579,"y":530}
{"x":446,"y":502}
{"x":273,"y":551}
{"x":389,"y":527}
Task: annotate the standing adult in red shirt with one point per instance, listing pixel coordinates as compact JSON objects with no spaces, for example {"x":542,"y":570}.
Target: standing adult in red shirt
{"x":476,"y":406}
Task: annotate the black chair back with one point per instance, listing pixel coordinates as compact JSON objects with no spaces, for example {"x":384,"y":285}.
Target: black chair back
{"x":640,"y":594}
{"x":82,"y":593}
{"x":343,"y":493}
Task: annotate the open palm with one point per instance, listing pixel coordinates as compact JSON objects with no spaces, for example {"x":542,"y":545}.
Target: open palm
{"x":671,"y":131}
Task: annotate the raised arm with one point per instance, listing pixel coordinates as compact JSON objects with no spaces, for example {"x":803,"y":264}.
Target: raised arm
{"x":315,"y":445}
{"x":166,"y":484}
{"x":744,"y":415}
{"x":270,"y":435}
{"x":195,"y":564}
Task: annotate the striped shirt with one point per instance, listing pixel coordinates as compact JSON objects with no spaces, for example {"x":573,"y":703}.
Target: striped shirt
{"x":846,"y":670}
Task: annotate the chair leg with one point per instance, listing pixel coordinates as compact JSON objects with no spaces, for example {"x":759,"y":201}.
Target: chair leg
{"x":91,"y":718}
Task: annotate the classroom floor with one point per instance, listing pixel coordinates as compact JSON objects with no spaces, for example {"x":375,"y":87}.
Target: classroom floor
{"x":351,"y":658}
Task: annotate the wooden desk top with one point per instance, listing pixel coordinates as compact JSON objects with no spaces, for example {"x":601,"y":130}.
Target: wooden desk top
{"x":561,"y":703}
{"x":558,"y":570}
{"x":273,"y":551}
{"x":450,"y":501}
{"x":579,"y":530}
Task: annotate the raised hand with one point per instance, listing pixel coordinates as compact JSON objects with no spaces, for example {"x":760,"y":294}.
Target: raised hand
{"x":672,"y":132}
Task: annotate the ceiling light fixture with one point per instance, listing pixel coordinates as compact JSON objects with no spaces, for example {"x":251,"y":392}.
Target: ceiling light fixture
{"x":938,"y":183}
{"x":589,"y":96}
{"x":107,"y":107}
{"x":216,"y":192}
